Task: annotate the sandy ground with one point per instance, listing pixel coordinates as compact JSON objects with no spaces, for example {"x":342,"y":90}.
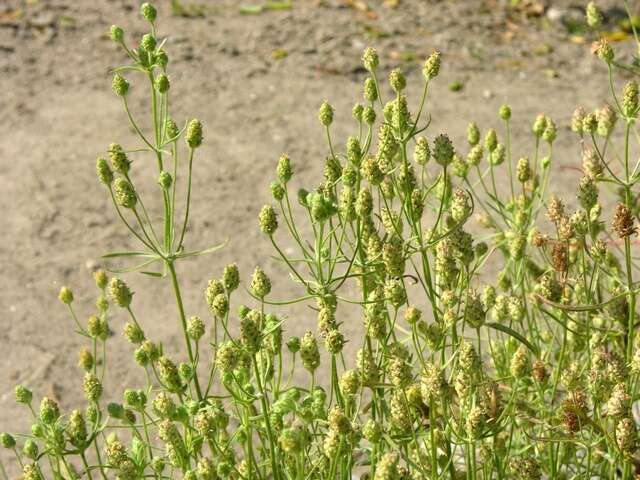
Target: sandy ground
{"x":59,"y":113}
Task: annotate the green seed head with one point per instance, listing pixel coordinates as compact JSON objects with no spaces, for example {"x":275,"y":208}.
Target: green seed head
{"x":357,"y":110}
{"x":165,"y":180}
{"x":370,"y":59}
{"x":260,"y":283}
{"x":593,"y":14}
{"x":105,"y":175}
{"x":49,"y":411}
{"x":293,"y":344}
{"x":148,"y":43}
{"x":309,"y":352}
{"x":66,"y":295}
{"x":397,"y":80}
{"x":443,"y":150}
{"x":30,"y":449}
{"x":86,"y":360}
{"x":432,"y":66}
{"x":7,"y":440}
{"x":630,"y":99}
{"x":92,"y":387}
{"x":604,"y":51}
{"x":124,"y":193}
{"x":119,"y":160}
{"x":23,"y":395}
{"x":194,"y":133}
{"x":370,"y":91}
{"x":116,"y":33}
{"x":120,"y":85}
{"x":473,"y":134}
{"x":120,"y":293}
{"x":268,"y":220}
{"x":284,"y":169}
{"x":369,"y":115}
{"x":505,"y":112}
{"x":149,"y":12}
{"x":162,"y":83}
{"x":133,"y":333}
{"x":325,"y":114}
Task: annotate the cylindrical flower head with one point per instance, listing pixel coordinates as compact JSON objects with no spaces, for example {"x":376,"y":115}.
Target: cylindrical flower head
{"x":325,"y":114}
{"x":594,"y":16}
{"x":443,"y":150}
{"x":539,"y":125}
{"x":119,"y":292}
{"x":491,"y":140}
{"x":432,"y":66}
{"x":124,"y":193}
{"x":309,"y":352}
{"x":370,"y":59}
{"x":105,"y":175}
{"x":66,"y":295}
{"x":120,"y":85}
{"x":260,"y":283}
{"x":460,"y":206}
{"x":364,"y":203}
{"x":370,"y":90}
{"x":550,"y":131}
{"x":284,"y":170}
{"x":369,"y":115}
{"x":168,"y":373}
{"x":171,"y":129}
{"x":268,"y":220}
{"x":577,"y":120}
{"x":421,"y":151}
{"x":194,"y":133}
{"x":149,"y":12}
{"x":523,"y":170}
{"x":231,"y":277}
{"x":162,"y":83}
{"x":473,"y":134}
{"x":630,"y":99}
{"x":30,"y":449}
{"x":397,"y":80}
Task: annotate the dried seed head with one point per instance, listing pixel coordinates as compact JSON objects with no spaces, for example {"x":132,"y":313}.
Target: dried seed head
{"x":591,"y":163}
{"x":539,"y":371}
{"x":626,"y":436}
{"x":619,"y":402}
{"x":623,"y":221}
{"x":555,"y":210}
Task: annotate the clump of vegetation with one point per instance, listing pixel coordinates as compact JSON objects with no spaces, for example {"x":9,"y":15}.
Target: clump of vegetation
{"x":531,"y":373}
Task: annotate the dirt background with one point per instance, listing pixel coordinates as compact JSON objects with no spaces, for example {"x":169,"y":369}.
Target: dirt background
{"x":230,"y":70}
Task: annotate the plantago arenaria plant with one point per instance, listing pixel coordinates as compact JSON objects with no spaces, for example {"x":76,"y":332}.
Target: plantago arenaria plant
{"x":500,"y":325}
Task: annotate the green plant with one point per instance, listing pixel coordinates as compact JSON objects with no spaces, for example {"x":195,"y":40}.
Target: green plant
{"x":531,"y":376}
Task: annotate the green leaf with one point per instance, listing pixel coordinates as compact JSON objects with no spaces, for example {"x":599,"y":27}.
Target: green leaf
{"x":514,"y":334}
{"x":128,"y":254}
{"x":206,"y":251}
